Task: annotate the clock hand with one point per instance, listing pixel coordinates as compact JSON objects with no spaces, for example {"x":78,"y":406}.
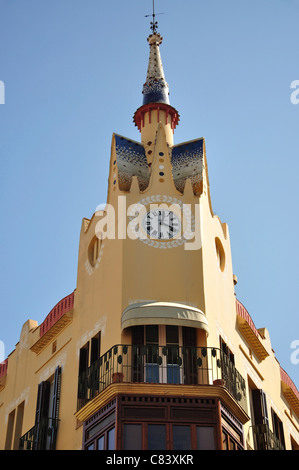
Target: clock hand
{"x":159,"y":224}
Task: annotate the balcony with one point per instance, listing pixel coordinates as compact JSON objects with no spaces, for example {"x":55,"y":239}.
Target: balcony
{"x":41,"y":437}
{"x":290,"y":391}
{"x":155,"y":364}
{"x":265,"y":439}
{"x":59,"y":317}
{"x":253,"y":336}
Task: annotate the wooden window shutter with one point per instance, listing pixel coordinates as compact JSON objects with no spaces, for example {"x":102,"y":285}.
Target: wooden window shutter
{"x":137,"y":358}
{"x":260,"y":406}
{"x":189,"y":337}
{"x":42,"y":404}
{"x":55,"y":409}
{"x":83,"y":359}
{"x":138,"y":335}
{"x":41,"y":413}
{"x":95,"y":348}
{"x":277,"y":427}
{"x":56,"y":393}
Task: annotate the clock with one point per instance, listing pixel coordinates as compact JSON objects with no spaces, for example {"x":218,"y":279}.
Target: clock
{"x":161,"y":224}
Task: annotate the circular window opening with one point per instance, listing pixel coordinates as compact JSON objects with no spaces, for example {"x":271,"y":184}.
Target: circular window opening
{"x":220,"y":253}
{"x":94,"y":250}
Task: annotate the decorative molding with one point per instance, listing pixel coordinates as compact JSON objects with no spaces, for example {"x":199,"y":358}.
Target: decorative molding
{"x":197,"y":391}
{"x":249,"y":332}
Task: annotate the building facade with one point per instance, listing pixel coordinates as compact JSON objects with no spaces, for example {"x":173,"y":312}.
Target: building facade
{"x":152,"y":350}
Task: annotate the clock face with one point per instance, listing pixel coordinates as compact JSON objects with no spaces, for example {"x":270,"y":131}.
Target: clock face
{"x":161,"y":224}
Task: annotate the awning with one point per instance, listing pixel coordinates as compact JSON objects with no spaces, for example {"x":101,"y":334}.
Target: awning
{"x":163,"y":313}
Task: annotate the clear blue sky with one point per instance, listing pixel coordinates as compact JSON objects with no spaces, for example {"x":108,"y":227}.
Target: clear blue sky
{"x":73,"y":72}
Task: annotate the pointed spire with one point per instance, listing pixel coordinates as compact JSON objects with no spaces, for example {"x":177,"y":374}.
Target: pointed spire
{"x":155,"y":89}
{"x":155,"y":107}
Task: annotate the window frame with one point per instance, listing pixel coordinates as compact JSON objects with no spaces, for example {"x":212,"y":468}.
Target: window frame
{"x":102,"y":431}
{"x":169,"y":432}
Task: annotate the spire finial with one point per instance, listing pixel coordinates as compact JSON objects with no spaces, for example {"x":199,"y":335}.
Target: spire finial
{"x":154,"y":23}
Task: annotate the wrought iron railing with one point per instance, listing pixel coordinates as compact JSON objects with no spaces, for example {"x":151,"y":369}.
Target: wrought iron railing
{"x":161,"y":364}
{"x":42,"y":436}
{"x":265,"y":439}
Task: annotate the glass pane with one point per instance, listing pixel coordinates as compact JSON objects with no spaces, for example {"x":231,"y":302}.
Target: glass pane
{"x":156,"y":436}
{"x":152,"y":334}
{"x":152,"y":352}
{"x":205,"y":438}
{"x":172,"y":354}
{"x":181,"y":437}
{"x":224,"y":440}
{"x":172,"y":334}
{"x":111,"y":439}
{"x":173,"y":374}
{"x":232,"y":445}
{"x":152,"y":373}
{"x":137,"y":335}
{"x":132,"y":437}
{"x":101,"y":443}
{"x":90,"y":447}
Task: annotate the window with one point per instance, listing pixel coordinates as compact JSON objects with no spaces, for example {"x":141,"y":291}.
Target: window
{"x":277,"y":427}
{"x":154,"y":423}
{"x":225,"y":440}
{"x":166,"y":357}
{"x":19,"y":424}
{"x":156,"y":437}
{"x":132,"y":436}
{"x":259,"y":404}
{"x":9,"y":431}
{"x":205,"y":436}
{"x":90,"y":352}
{"x":220,"y":254}
{"x":88,"y":369}
{"x":168,"y":436}
{"x":173,"y":354}
{"x":46,"y":414}
{"x":105,"y":442}
{"x":181,"y":436}
{"x":152,"y":353}
{"x":103,"y":424}
{"x":101,"y":443}
{"x":228,"y":442}
{"x":260,"y":419}
{"x":111,"y":439}
{"x":100,"y":434}
{"x":94,"y":250}
{"x":95,"y":348}
{"x":224,"y":347}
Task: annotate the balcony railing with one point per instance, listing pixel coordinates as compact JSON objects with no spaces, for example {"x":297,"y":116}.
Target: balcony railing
{"x":63,"y":306}
{"x":41,"y":437}
{"x":161,"y":365}
{"x":265,"y":439}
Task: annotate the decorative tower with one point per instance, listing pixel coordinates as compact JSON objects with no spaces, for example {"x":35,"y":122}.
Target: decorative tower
{"x":160,"y":288}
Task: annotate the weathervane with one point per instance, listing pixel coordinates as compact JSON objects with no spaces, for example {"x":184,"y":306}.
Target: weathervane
{"x":154,"y":23}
